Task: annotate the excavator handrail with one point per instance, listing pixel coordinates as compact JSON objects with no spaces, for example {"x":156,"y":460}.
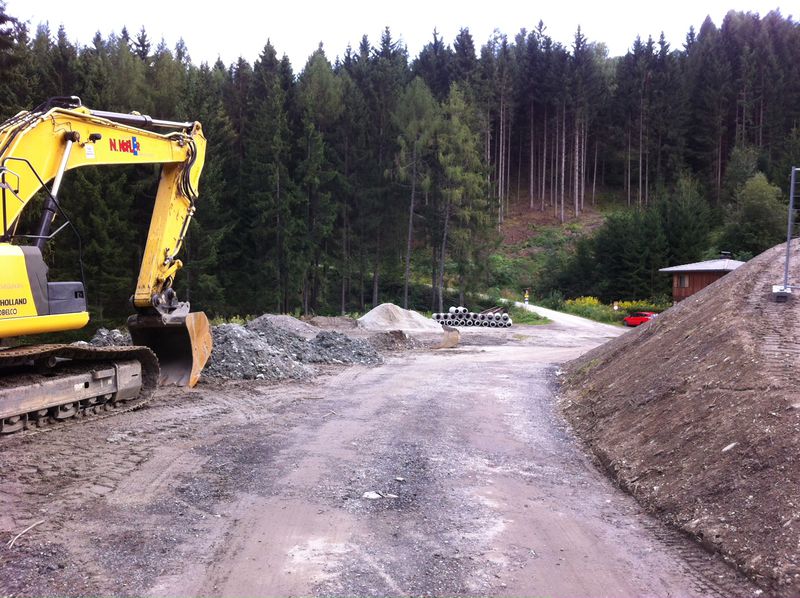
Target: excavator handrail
{"x":56,"y":203}
{"x":141,"y":120}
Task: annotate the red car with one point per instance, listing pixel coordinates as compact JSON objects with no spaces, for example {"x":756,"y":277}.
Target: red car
{"x":639,"y":317}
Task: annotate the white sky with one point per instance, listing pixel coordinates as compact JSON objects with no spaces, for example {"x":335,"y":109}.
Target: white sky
{"x":236,"y":28}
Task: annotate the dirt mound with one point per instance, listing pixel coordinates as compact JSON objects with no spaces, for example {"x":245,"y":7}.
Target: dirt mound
{"x":394,"y":340}
{"x":697,"y":414}
{"x":388,"y":316}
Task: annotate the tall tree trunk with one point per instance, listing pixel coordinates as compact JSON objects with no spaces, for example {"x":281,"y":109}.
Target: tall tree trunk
{"x":577,"y":168}
{"x":646,"y":169}
{"x":305,"y":294}
{"x":659,"y":176}
{"x":376,"y":272}
{"x":362,"y":274}
{"x":410,"y":237}
{"x":628,"y":167}
{"x":554,"y":182}
{"x":519,"y":169}
{"x":488,"y":148}
{"x":508,"y":168}
{"x":531,"y":163}
{"x":584,"y":144}
{"x":544,"y":159}
{"x":346,"y":264}
{"x":563,"y":154}
{"x":500,"y":162}
{"x":594,"y":172}
{"x":443,"y":256}
{"x":719,"y":167}
{"x":345,"y":234}
{"x":641,"y":129}
{"x":434,"y":276}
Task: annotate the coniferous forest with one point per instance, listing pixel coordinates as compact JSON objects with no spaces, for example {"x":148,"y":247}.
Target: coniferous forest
{"x":343,"y":182}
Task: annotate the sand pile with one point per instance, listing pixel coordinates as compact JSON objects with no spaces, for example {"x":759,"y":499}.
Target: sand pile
{"x":697,"y":414}
{"x":389,"y":316}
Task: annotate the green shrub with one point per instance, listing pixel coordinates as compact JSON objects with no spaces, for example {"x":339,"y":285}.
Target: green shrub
{"x":592,"y":308}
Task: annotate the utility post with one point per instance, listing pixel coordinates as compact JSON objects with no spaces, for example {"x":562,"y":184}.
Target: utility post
{"x":782,"y":292}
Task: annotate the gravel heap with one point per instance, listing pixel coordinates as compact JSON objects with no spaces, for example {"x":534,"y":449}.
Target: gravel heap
{"x":264,"y":350}
{"x":243,"y":354}
{"x":270,"y":348}
{"x":389,"y":316}
{"x":284,"y":322}
{"x":110,"y":338}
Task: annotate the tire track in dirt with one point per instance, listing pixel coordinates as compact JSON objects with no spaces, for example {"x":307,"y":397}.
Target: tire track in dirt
{"x":779,"y":335}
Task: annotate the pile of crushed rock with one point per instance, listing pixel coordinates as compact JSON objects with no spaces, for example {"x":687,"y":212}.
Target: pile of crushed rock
{"x":270,"y":347}
{"x":110,"y":338}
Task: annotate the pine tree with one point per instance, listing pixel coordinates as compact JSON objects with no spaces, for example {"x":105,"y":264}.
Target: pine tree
{"x":466,"y":222}
{"x":433,"y":65}
{"x":320,"y":95}
{"x":416,"y":118}
{"x":141,"y":46}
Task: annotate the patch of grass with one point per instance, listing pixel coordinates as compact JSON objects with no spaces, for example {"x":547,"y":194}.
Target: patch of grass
{"x":522,"y":316}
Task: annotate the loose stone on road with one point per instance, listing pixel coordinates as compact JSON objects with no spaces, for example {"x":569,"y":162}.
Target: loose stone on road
{"x":437,"y":473}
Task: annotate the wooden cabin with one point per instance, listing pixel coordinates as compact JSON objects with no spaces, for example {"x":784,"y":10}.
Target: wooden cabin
{"x":690,"y":278}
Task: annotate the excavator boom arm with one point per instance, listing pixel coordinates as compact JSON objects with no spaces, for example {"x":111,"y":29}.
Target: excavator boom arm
{"x":38,"y":147}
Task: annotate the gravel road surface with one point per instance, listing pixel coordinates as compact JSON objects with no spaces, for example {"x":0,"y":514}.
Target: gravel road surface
{"x":443,"y":472}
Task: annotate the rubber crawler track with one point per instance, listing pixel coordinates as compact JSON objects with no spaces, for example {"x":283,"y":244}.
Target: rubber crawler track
{"x":19,"y":356}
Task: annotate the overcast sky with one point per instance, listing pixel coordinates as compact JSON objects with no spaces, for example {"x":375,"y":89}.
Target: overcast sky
{"x":237,"y":28}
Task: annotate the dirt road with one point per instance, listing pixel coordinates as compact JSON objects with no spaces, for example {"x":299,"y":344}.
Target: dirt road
{"x":248,"y":489}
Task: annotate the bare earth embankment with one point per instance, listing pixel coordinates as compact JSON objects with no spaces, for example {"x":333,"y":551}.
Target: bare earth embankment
{"x":697,"y":414}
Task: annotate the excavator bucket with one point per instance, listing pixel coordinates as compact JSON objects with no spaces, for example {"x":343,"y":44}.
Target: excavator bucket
{"x":182,"y":345}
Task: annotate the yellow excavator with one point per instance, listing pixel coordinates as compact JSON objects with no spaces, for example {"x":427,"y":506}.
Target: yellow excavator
{"x":42,"y":384}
